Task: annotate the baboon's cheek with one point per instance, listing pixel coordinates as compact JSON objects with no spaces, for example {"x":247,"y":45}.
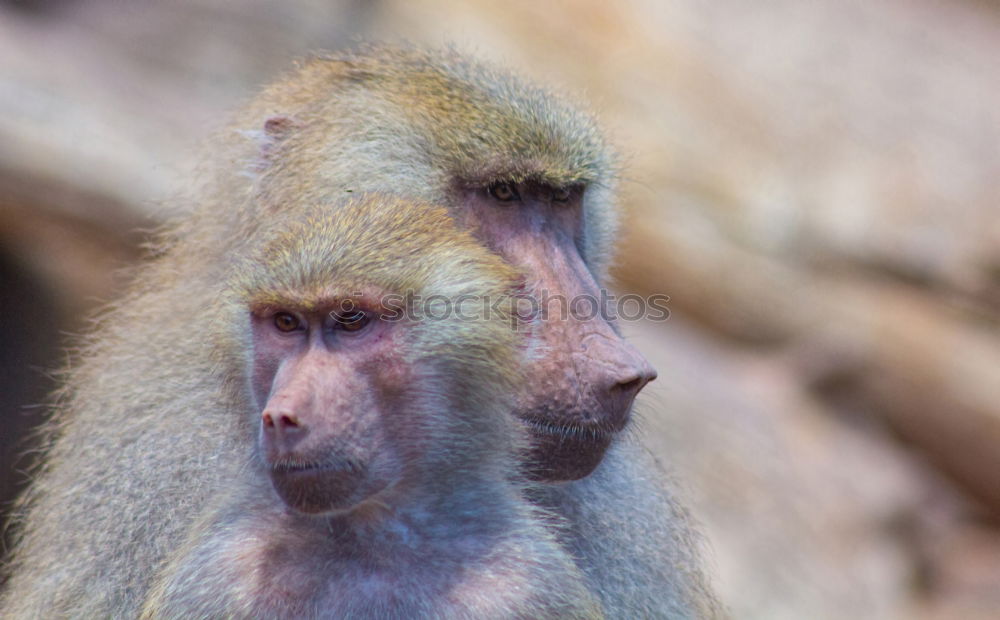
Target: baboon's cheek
{"x":582,"y":376}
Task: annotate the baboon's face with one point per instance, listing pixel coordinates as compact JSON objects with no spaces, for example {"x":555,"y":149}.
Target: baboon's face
{"x":328,"y":383}
{"x":582,"y":376}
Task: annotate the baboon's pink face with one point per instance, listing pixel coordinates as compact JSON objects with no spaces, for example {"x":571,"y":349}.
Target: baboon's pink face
{"x":582,"y":376}
{"x":327,"y":383}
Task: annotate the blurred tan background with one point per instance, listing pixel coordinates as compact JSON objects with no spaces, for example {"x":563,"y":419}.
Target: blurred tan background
{"x":815,"y":183}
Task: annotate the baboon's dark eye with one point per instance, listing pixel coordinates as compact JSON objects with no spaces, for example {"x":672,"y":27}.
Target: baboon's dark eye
{"x":504,"y":192}
{"x":561,"y":194}
{"x":349,"y":317}
{"x":286,"y":322}
{"x":350,"y":321}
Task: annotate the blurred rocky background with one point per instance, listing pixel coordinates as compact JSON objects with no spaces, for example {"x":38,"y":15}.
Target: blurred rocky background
{"x":815,"y":183}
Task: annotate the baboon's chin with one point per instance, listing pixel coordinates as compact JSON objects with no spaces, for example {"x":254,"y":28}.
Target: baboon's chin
{"x":564,"y":455}
{"x":319,"y":490}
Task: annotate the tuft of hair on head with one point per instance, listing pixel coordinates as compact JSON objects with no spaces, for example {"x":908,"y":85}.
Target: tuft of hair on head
{"x":424,"y":122}
{"x":484,"y":120}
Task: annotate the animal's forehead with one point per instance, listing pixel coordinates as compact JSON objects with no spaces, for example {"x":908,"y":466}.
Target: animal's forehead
{"x":474,"y":118}
{"x":395,"y":244}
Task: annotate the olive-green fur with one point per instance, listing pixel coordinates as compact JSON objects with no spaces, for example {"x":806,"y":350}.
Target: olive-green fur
{"x":405,"y":121}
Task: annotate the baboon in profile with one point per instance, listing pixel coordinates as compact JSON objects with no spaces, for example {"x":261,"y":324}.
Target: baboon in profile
{"x":383,"y":425}
{"x":137,"y":452}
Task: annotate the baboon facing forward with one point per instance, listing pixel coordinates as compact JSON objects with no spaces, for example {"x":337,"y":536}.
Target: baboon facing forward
{"x":383,"y":478}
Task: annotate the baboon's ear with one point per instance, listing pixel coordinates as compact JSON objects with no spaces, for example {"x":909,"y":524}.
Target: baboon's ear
{"x":269,"y":137}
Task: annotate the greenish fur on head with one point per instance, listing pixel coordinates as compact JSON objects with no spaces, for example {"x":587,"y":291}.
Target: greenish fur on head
{"x":374,"y":243}
{"x":421,"y":124}
{"x":481,"y":124}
